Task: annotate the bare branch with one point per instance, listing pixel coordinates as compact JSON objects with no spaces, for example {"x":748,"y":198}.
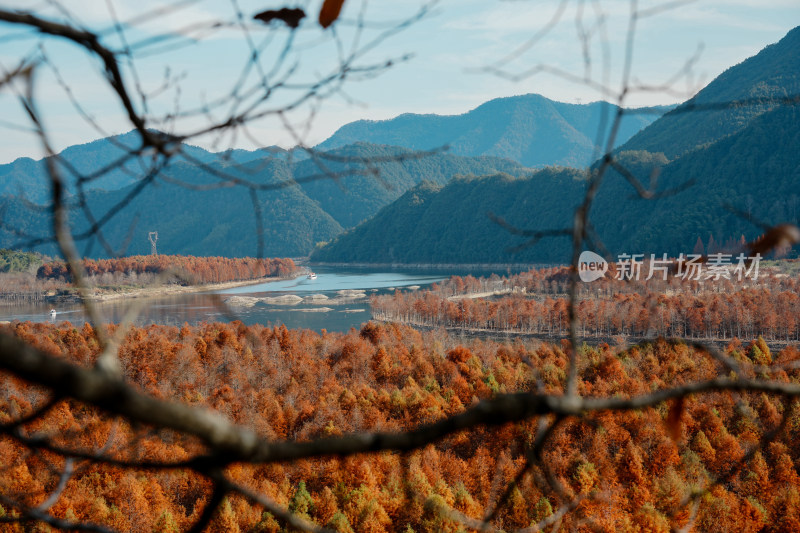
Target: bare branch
{"x":233,"y":443}
{"x":66,"y":474}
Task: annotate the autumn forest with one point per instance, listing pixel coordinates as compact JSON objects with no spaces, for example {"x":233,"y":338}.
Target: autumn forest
{"x":535,"y":303}
{"x":649,"y":470}
{"x":346,"y":266}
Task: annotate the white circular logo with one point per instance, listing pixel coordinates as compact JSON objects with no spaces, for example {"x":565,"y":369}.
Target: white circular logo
{"x":591,"y":266}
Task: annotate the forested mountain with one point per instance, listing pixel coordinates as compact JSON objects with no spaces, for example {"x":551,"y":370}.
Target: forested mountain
{"x":221,"y":221}
{"x":530,"y":129}
{"x":773,"y":73}
{"x":743,"y":156}
{"x":359,"y":194}
{"x":29,"y":176}
{"x":755,"y":170}
{"x":431,"y":224}
{"x":742,"y":159}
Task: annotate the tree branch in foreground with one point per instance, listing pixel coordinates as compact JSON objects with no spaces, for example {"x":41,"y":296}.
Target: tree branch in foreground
{"x":230,"y":443}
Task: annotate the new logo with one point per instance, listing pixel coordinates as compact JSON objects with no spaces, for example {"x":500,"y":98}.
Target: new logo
{"x":591,"y":266}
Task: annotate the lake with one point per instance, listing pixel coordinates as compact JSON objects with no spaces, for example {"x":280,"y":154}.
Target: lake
{"x":328,"y":311}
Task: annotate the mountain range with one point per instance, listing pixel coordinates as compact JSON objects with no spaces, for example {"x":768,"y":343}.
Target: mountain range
{"x":222,"y":220}
{"x":196,"y":212}
{"x":731,"y":149}
{"x":529,"y":129}
{"x":388,"y":191}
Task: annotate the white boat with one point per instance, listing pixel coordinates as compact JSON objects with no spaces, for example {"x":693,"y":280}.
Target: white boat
{"x":53,"y":313}
{"x":311,"y":275}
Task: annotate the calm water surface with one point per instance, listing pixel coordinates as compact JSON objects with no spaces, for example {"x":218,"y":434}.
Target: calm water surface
{"x":333,"y":314}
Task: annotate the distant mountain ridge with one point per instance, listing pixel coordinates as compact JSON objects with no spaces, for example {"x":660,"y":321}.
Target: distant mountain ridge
{"x":434,"y":209}
{"x":29,"y":176}
{"x":295,"y":218}
{"x":773,"y":73}
{"x":710,"y":164}
{"x":755,"y":170}
{"x":222,"y":220}
{"x":449,"y":224}
{"x":530,"y":129}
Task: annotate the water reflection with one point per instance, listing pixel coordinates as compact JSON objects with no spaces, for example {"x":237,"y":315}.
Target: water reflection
{"x":330,"y":281}
{"x":172,"y":310}
{"x":318,"y":303}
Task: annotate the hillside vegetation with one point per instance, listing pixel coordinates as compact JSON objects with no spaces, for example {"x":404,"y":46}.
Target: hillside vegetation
{"x":629,"y":470}
{"x":17,"y":261}
{"x":212,"y":218}
{"x":709,"y":167}
{"x":530,"y":129}
{"x":450,"y":224}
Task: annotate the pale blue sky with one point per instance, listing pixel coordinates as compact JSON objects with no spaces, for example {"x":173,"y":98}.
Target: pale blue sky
{"x":450,"y":48}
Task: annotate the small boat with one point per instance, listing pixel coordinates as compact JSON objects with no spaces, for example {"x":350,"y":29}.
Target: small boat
{"x":53,"y":313}
{"x":311,"y":275}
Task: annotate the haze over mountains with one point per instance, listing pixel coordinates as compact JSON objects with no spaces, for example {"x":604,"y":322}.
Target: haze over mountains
{"x":732,"y":147}
{"x":110,"y":155}
{"x":222,"y":221}
{"x":727,"y":104}
{"x":529,"y":129}
{"x":711,"y":162}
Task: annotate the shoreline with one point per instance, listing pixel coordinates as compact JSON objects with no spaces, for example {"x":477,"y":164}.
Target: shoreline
{"x":552,"y":338}
{"x":104,"y":295}
{"x":438,"y":266}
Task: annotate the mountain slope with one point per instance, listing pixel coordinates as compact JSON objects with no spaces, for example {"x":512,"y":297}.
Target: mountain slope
{"x":742,"y":159}
{"x":221,"y":221}
{"x":529,"y":129}
{"x":29,"y":176}
{"x":772,"y":73}
{"x":755,"y":169}
{"x":450,"y":224}
{"x":359,"y":194}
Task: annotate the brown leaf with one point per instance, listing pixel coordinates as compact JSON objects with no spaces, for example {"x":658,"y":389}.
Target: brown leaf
{"x":779,"y":236}
{"x":673,"y":420}
{"x":291,"y":16}
{"x":330,"y":12}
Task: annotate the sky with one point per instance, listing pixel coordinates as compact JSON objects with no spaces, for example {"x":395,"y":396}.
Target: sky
{"x":186,"y":57}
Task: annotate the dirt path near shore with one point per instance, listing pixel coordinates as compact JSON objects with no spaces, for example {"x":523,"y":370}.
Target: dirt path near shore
{"x":474,"y":295}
